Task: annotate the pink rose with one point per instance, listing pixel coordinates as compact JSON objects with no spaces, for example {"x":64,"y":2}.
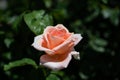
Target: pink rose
{"x":58,"y":43}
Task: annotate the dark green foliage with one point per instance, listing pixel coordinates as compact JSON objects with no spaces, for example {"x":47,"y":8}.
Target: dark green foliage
{"x":37,"y":21}
{"x":23,"y":62}
{"x":98,"y":21}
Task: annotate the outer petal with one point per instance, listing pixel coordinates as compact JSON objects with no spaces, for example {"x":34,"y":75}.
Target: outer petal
{"x":65,"y":47}
{"x":68,"y":44}
{"x":38,"y":44}
{"x":75,"y":54}
{"x":76,"y":38}
{"x":62,"y":31}
{"x":55,"y":64}
{"x":48,"y":29}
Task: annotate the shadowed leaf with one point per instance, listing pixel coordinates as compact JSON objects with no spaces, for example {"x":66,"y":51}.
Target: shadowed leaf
{"x":37,"y":21}
{"x":18,"y":63}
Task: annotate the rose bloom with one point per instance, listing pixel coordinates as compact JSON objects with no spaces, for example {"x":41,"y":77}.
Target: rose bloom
{"x":58,"y":44}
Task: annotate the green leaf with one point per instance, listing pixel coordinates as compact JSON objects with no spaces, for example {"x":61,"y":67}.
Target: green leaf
{"x":105,"y":1}
{"x":52,"y":77}
{"x":8,"y":42}
{"x":92,"y":16}
{"x":60,"y":14}
{"x":48,"y":3}
{"x":18,"y":63}
{"x":106,"y":12}
{"x":16,"y":22}
{"x":2,"y":32}
{"x":59,"y":73}
{"x":112,"y":14}
{"x":96,"y":47}
{"x":37,"y":21}
{"x":115,"y":16}
{"x":7,"y":55}
{"x":98,"y":44}
{"x":83,"y":76}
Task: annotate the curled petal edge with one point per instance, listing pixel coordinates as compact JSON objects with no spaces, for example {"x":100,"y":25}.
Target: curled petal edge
{"x":76,"y":38}
{"x":75,"y":54}
{"x":62,"y":26}
{"x":37,"y":44}
{"x":57,"y":65}
{"x":62,"y":64}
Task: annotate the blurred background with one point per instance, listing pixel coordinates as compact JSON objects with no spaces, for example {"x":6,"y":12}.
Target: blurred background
{"x":96,"y":20}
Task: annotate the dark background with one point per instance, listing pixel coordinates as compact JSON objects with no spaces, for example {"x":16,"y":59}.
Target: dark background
{"x":96,"y":20}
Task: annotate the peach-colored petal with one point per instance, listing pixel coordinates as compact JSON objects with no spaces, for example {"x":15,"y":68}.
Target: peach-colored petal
{"x":38,"y":44}
{"x":65,"y":47}
{"x":48,"y":29}
{"x":54,"y":41}
{"x":46,"y":32}
{"x":52,"y":36}
{"x":60,"y":33}
{"x":53,"y":63}
{"x":68,"y":44}
{"x":61,"y":27}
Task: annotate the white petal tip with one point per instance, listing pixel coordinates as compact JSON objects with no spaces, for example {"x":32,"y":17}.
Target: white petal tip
{"x":32,"y":44}
{"x":77,"y":38}
{"x":76,"y":55}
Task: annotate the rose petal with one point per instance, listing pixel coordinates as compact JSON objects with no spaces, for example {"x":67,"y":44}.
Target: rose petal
{"x":76,"y":38}
{"x":75,"y":55}
{"x":62,"y":31}
{"x":55,"y":64}
{"x":46,"y":32}
{"x":48,"y":29}
{"x":61,"y":27}
{"x":53,"y":36}
{"x":65,"y":47}
{"x":54,"y":41}
{"x":38,"y":44}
